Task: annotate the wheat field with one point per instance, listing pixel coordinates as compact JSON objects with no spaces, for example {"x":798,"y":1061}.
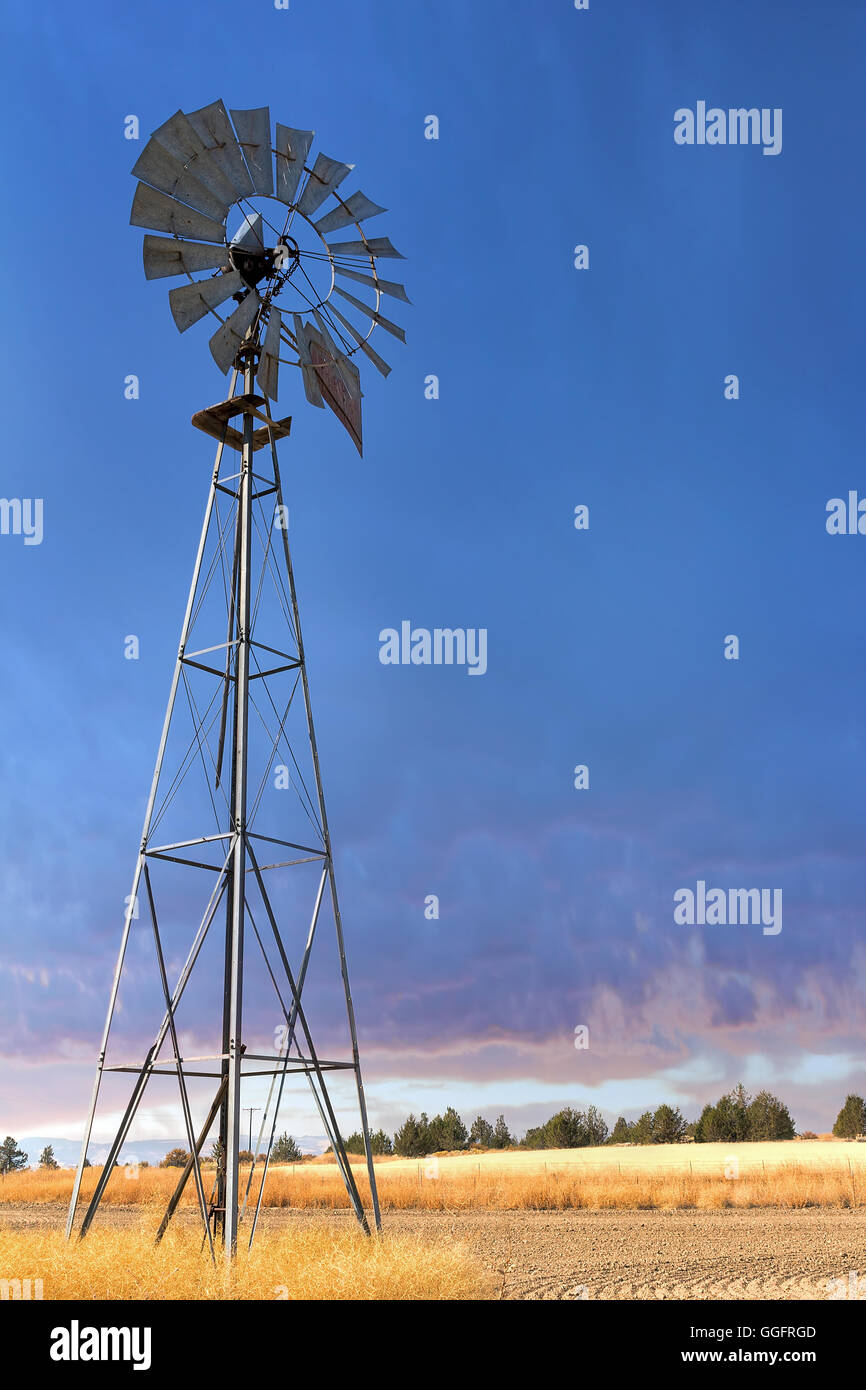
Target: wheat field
{"x":708,"y":1176}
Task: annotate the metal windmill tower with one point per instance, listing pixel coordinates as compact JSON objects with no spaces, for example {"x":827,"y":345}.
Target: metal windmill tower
{"x":249,"y":215}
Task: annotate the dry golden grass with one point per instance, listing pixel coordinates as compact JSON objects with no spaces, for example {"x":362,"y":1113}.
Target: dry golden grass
{"x":301,"y":1264}
{"x":594,"y":1190}
{"x":771,"y":1175}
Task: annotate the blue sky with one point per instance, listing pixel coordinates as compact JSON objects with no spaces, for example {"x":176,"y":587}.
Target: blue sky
{"x":605,"y":647}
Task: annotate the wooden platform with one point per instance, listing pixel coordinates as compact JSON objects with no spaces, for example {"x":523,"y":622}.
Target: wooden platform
{"x":215,"y":422}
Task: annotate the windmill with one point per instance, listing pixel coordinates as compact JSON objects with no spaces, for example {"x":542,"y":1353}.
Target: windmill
{"x":244,"y":217}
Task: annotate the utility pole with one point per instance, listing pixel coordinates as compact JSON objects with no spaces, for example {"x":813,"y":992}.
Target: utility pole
{"x":251,"y":1110}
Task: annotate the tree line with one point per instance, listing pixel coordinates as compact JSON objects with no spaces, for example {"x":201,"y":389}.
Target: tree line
{"x":736,"y":1117}
{"x":284,"y":1150}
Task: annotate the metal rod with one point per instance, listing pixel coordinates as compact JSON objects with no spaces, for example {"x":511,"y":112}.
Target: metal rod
{"x":287,"y":844}
{"x":166,"y":1070}
{"x":275,"y":671}
{"x":176,"y":859}
{"x":185,"y":844}
{"x":287,"y":656}
{"x":230,"y":647}
{"x":211,"y":670}
{"x":291,"y":863}
{"x":234,"y":1001}
{"x":218,"y":647}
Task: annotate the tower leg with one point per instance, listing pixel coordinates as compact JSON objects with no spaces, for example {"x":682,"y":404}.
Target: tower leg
{"x":233,"y":1011}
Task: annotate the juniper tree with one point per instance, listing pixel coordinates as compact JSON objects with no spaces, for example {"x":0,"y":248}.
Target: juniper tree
{"x":669,"y":1126}
{"x":502,"y":1136}
{"x":596,"y":1126}
{"x":410,"y":1140}
{"x":622,"y":1132}
{"x":446,"y":1132}
{"x":175,"y":1158}
{"x":851,"y":1119}
{"x":769,"y":1118}
{"x":285,"y":1150}
{"x":482,"y":1133}
{"x":12,"y":1159}
{"x":740,"y":1103}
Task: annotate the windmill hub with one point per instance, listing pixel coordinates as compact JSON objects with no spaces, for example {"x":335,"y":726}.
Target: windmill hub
{"x":252,"y":266}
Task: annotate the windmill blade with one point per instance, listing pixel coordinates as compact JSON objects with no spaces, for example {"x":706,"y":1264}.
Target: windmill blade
{"x":348,"y":369}
{"x":269,"y":362}
{"x":355,"y":209}
{"x":250,"y":235}
{"x":150,"y":208}
{"x":189,"y":303}
{"x":254,"y":137}
{"x":167,"y":256}
{"x":179,"y":137}
{"x":340,"y":390}
{"x":375,"y":246}
{"x":352,"y":377}
{"x":214,"y":129}
{"x":157,"y":167}
{"x":311,"y":381}
{"x":378,"y":362}
{"x":292,"y":148}
{"x":351,"y":373}
{"x":326,"y":333}
{"x":389,"y":327}
{"x":229,"y":336}
{"x":386,"y":286}
{"x":325,"y":176}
